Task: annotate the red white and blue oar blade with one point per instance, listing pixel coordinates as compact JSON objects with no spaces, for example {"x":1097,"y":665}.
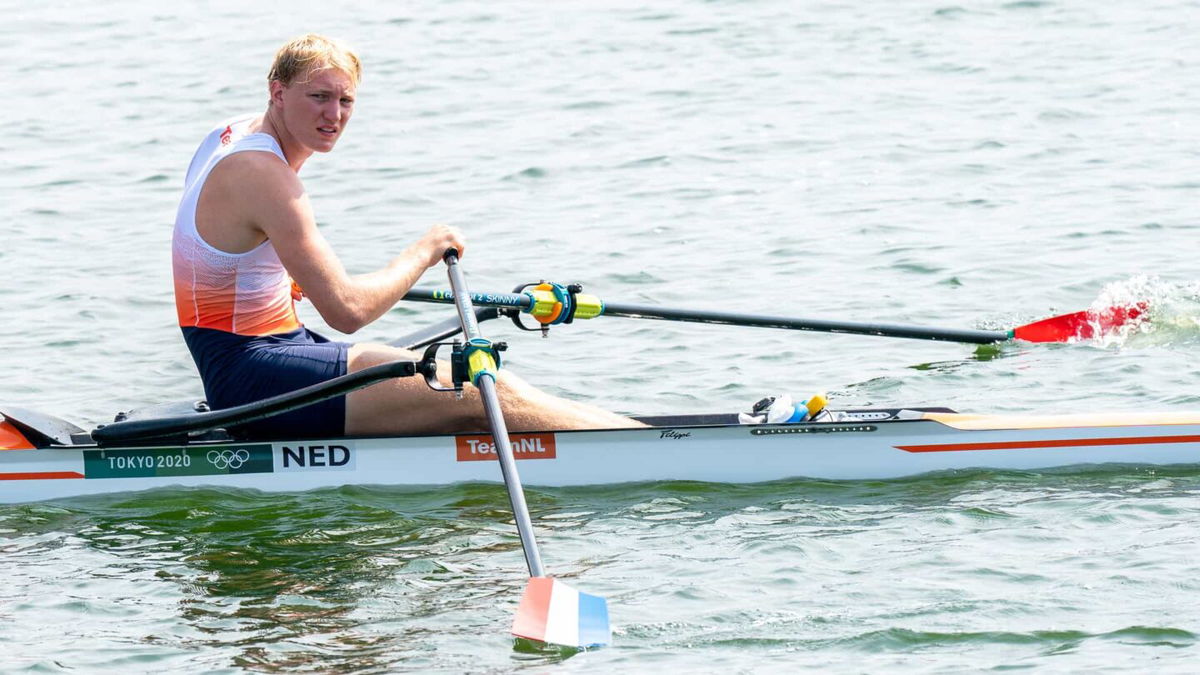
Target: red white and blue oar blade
{"x":554,"y":613}
{"x":1085,"y":325}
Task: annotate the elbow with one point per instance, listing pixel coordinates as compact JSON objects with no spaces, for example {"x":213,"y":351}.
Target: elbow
{"x":345,"y":326}
{"x":346,"y":320}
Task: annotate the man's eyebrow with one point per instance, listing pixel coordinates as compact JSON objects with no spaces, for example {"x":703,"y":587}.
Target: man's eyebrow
{"x":329,"y":90}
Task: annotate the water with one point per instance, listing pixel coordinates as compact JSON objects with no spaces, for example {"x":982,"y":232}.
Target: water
{"x":923,"y":162}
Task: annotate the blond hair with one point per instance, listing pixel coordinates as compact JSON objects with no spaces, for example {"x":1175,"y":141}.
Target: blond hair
{"x":312,"y":53}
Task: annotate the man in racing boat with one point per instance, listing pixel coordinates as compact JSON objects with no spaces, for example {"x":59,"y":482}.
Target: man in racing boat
{"x":246,"y":243}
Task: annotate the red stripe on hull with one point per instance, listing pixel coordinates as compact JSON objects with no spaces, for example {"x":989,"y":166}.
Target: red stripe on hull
{"x":1062,"y":443}
{"x":41,"y":475}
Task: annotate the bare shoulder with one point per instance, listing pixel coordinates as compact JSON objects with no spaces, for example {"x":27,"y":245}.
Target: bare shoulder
{"x":250,"y":196}
{"x":270,"y":193}
{"x":259,"y":174}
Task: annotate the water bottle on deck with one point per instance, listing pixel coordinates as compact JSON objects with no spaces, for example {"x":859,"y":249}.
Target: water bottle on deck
{"x":782,"y":410}
{"x":815,"y":407}
{"x":818,"y":413}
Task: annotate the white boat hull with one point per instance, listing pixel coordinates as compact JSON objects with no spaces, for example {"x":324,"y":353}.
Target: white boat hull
{"x":726,"y":454}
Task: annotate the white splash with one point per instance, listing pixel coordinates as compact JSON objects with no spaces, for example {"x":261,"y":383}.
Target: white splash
{"x":1172,"y":313}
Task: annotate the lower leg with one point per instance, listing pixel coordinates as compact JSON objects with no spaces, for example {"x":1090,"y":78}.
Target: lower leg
{"x":407,"y":405}
{"x":527,"y":408}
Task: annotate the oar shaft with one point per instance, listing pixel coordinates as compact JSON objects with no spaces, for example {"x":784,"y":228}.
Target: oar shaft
{"x":523,"y":302}
{"x":136,"y":430}
{"x":820,"y":325}
{"x":462,"y":299}
{"x":508,"y":468}
{"x":513,"y":300}
{"x":491,"y":405}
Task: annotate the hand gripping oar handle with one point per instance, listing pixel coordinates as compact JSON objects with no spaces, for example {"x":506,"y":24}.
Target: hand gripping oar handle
{"x":484,"y":377}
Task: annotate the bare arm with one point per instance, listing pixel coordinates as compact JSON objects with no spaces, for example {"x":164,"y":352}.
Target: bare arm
{"x":276,"y":204}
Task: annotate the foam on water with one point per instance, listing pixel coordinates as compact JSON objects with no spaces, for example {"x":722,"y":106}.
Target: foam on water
{"x":1171,"y":318}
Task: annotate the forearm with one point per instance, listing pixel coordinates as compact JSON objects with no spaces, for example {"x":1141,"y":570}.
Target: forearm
{"x":372,"y":294}
{"x":360,"y":299}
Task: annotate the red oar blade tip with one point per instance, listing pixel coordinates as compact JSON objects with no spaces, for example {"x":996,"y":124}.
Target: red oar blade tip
{"x":1084,"y":325}
{"x":554,"y":613}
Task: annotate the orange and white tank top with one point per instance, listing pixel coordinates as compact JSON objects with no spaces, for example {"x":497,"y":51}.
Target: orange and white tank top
{"x":243,"y":293}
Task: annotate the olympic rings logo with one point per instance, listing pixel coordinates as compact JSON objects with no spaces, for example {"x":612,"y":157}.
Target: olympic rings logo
{"x":228,"y":459}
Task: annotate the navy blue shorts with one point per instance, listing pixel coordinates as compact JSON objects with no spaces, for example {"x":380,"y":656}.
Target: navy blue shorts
{"x":238,"y":369}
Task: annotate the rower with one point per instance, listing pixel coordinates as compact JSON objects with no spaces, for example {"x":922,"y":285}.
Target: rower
{"x":246,"y":248}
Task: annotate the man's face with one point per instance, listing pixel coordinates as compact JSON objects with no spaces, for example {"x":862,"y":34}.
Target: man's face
{"x":316,"y":108}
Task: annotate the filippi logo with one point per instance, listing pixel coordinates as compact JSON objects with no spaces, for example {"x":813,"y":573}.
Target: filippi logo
{"x":524,"y":446}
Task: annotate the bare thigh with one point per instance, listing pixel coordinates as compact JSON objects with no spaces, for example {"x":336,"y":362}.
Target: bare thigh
{"x":405,"y":404}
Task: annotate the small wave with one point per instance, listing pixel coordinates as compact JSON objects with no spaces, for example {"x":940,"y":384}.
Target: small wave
{"x":588,"y":105}
{"x":532,"y":172}
{"x":951,"y":11}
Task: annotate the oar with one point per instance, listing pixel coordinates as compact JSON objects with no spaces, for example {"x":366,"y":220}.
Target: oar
{"x":552,"y":303}
{"x":166,"y":427}
{"x":550,"y":610}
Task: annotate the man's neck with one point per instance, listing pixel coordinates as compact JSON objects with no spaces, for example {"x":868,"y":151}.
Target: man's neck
{"x":293,"y":151}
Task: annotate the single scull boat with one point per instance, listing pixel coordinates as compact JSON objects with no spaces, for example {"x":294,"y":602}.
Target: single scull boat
{"x":42,"y":457}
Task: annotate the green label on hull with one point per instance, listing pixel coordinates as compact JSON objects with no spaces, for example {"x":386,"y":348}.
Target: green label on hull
{"x":166,"y":462}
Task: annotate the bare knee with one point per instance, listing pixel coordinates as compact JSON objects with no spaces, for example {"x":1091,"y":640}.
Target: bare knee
{"x":365,"y":354}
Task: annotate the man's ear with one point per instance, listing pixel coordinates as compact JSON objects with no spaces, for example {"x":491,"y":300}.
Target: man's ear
{"x":275,"y":88}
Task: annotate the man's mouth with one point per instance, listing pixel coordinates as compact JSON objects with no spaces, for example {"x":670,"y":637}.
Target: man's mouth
{"x":327,"y":131}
